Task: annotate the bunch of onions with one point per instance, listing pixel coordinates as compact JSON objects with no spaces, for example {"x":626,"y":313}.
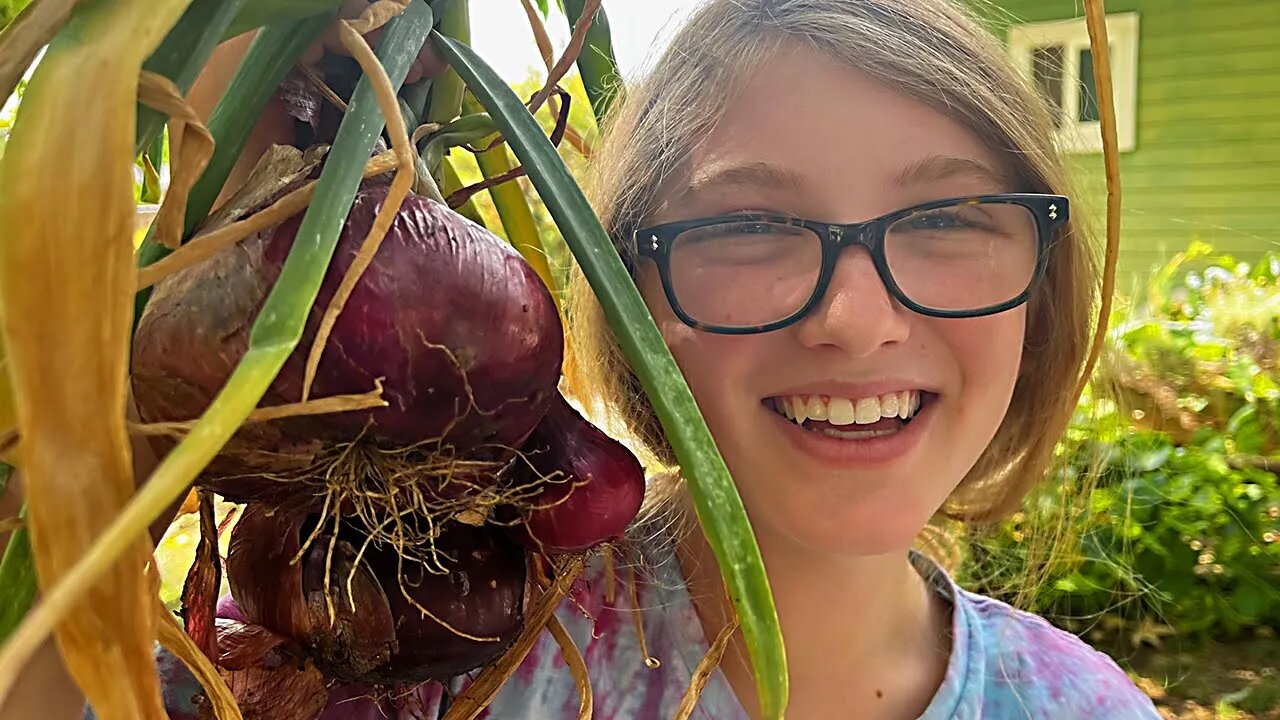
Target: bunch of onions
{"x":381,"y":541}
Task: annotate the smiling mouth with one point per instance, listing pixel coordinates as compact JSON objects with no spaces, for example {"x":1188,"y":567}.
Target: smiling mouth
{"x":852,"y":418}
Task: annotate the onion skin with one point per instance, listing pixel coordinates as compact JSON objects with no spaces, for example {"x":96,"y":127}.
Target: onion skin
{"x":361,"y":637}
{"x":290,"y":598}
{"x":268,"y":675}
{"x":437,"y":282}
{"x":482,"y":595}
{"x":259,"y":571}
{"x":243,"y":645}
{"x":597,"y":493}
{"x":385,"y":640}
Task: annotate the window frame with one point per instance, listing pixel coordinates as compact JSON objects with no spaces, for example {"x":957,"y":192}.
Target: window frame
{"x":1074,"y":135}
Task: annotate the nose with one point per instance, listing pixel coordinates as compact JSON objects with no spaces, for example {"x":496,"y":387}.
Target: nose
{"x":856,"y":313}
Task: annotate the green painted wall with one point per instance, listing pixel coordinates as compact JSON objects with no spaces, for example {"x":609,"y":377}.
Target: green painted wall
{"x":1207,"y":159}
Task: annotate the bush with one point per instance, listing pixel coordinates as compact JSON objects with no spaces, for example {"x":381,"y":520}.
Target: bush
{"x":1179,"y":528}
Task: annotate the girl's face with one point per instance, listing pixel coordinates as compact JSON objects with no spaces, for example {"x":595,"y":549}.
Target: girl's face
{"x":813,"y":139}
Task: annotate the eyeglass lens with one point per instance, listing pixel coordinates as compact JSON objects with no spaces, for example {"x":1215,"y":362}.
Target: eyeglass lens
{"x":963,"y":257}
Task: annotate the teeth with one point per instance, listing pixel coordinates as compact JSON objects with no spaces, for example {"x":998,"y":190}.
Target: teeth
{"x":798,"y":409}
{"x":848,"y":411}
{"x":868,"y":410}
{"x":857,"y":434}
{"x":817,"y":409}
{"x":889,"y":405}
{"x":840,"y":411}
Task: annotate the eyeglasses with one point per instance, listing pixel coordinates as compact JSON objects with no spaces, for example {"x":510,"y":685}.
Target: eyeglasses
{"x":955,"y":258}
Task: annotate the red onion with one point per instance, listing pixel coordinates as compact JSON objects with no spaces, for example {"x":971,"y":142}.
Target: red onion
{"x":269,"y":676}
{"x":594,"y":485}
{"x":290,"y":598}
{"x":477,"y":589}
{"x":482,"y":594}
{"x":446,"y":313}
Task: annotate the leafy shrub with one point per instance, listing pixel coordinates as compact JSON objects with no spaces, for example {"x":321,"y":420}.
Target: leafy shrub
{"x":1181,"y":529}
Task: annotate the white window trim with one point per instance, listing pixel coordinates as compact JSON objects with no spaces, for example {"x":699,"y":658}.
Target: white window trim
{"x":1122,"y":35}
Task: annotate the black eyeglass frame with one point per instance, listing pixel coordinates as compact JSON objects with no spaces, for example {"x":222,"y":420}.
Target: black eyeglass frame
{"x":1051,"y":212}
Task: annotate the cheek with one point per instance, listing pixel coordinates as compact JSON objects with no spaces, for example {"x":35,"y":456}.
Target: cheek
{"x":711,"y":363}
{"x":988,"y":353}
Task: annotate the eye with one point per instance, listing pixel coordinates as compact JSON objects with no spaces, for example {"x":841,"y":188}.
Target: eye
{"x":938,"y":220}
{"x":756,"y":228}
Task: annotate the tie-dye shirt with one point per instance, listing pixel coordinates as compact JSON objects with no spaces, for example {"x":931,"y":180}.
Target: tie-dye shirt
{"x":1004,"y":663}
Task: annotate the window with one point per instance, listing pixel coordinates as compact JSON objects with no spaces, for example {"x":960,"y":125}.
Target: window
{"x":1058,"y":58}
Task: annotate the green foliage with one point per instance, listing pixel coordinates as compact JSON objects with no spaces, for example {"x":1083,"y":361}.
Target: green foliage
{"x":17,"y":566}
{"x":1181,"y":531}
{"x":9,"y":10}
{"x":580,"y":119}
{"x":9,"y":113}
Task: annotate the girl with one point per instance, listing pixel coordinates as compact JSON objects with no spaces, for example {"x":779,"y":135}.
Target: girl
{"x":868,"y":351}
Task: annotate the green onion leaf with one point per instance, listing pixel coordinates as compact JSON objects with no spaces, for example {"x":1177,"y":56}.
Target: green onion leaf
{"x":268,"y":12}
{"x":446,"y":91}
{"x":18,"y":578}
{"x":183,"y":53}
{"x":596,"y":63}
{"x":273,"y":52}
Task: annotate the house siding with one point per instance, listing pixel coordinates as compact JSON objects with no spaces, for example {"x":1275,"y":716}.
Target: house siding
{"x":1207,"y":160}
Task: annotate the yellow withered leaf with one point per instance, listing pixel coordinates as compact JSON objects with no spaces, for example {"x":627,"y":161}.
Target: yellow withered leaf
{"x":8,"y":416}
{"x":67,"y":279}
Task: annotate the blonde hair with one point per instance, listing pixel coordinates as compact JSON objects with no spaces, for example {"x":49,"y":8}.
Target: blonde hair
{"x":930,"y":50}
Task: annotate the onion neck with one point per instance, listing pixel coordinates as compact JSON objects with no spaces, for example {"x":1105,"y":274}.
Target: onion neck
{"x":866,"y":637}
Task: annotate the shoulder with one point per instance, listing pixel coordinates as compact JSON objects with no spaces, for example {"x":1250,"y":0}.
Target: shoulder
{"x":639,"y":637}
{"x":1030,"y":668}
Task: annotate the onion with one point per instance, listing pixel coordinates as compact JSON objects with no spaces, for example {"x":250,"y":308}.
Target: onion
{"x":291,"y":598}
{"x":352,"y":545}
{"x":482,"y":595}
{"x":460,"y":329}
{"x":473,"y":581}
{"x":593,"y":485}
{"x":243,"y":646}
{"x":361,"y":635}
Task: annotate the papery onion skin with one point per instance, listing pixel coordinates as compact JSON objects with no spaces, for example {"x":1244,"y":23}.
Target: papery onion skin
{"x":268,"y":674}
{"x":291,"y":598}
{"x":385,"y":639}
{"x":360,"y":636}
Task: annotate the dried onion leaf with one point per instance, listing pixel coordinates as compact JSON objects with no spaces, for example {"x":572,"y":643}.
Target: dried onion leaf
{"x":67,"y":350}
{"x":275,"y":332}
{"x":191,"y":148}
{"x":173,"y":639}
{"x":577,"y":666}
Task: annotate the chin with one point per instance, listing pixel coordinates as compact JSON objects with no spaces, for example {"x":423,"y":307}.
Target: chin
{"x":860,"y":529}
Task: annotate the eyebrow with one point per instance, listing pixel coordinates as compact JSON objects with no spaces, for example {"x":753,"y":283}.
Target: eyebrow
{"x":939,"y":167}
{"x":760,"y":175}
